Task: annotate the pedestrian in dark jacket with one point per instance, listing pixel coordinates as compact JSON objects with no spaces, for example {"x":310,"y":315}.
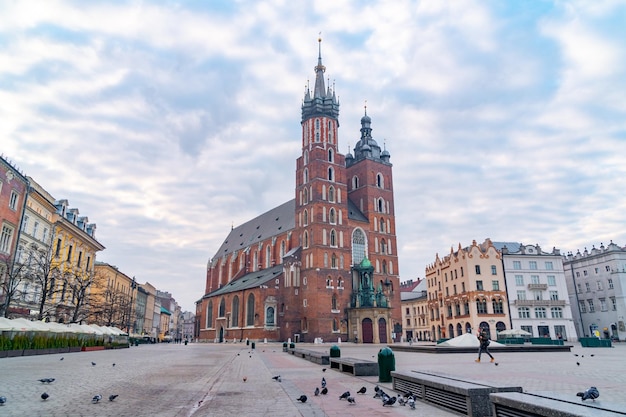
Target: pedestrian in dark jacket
{"x":483,"y":339}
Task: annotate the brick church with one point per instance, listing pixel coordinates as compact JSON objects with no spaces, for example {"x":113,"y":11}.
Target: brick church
{"x":323,"y":265}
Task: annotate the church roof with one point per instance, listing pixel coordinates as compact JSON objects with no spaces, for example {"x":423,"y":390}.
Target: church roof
{"x":354,"y":213}
{"x":271,"y":223}
{"x":251,"y":280}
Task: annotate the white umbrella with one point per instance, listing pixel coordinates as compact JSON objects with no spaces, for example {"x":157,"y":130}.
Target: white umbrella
{"x":5,"y":324}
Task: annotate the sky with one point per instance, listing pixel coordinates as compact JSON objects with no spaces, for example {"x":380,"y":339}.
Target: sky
{"x":167,"y":123}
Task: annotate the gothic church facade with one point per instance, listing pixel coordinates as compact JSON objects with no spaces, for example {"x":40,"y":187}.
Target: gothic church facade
{"x":323,"y":265}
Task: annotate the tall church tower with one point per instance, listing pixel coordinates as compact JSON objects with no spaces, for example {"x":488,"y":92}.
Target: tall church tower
{"x":322,"y":212}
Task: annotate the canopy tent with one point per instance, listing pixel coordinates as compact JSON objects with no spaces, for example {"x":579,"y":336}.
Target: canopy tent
{"x":466,"y":340}
{"x":514,"y":333}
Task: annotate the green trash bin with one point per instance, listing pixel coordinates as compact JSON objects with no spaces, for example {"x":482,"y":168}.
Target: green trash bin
{"x":292,"y":345}
{"x":386,"y":364}
{"x":335,"y":352}
{"x":284,"y":346}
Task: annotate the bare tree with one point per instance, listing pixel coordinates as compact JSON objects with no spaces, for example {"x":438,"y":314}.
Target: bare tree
{"x":108,"y":306}
{"x":13,"y":272}
{"x":44,"y":272}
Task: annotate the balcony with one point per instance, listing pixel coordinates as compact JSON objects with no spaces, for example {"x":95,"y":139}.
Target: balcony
{"x":539,"y":303}
{"x":538,"y":287}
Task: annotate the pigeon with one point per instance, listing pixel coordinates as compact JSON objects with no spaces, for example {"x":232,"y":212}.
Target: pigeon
{"x":302,"y":398}
{"x":408,"y":394}
{"x":496,"y":363}
{"x":93,"y":364}
{"x":592,"y":355}
{"x":62,"y":358}
{"x":575,"y":354}
{"x":362,"y":390}
{"x":411,"y":402}
{"x":323,"y":382}
{"x":317,"y":391}
{"x":3,"y":400}
{"x":276,"y":378}
{"x":245,"y":378}
{"x":96,"y":398}
{"x":324,"y":391}
{"x":389,"y":401}
{"x":44,"y":396}
{"x":351,"y":400}
{"x":578,"y":363}
{"x":401,"y":401}
{"x":113,"y":365}
{"x":112,"y":397}
{"x":590,"y":393}
{"x":323,"y":369}
{"x":344,"y":395}
{"x":46,"y":380}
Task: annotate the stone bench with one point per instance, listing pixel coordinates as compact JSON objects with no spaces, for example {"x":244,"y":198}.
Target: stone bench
{"x":465,"y":397}
{"x":320,"y":358}
{"x":519,"y":404}
{"x":356,"y":367}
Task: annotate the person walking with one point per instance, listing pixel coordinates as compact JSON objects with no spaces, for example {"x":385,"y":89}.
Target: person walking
{"x":483,"y":339}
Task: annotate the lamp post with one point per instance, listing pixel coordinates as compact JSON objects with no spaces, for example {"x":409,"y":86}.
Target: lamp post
{"x":133,"y":285}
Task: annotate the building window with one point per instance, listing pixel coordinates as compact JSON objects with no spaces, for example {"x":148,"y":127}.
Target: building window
{"x":524,"y":312}
{"x":537,"y":295}
{"x":579,"y":287}
{"x":587,"y":287}
{"x":330,"y":155}
{"x":534,"y":279}
{"x":466,"y":308}
{"x":380,"y":181}
{"x":477,"y":268}
{"x":613,"y":304}
{"x":551,"y":280}
{"x":610,"y":283}
{"x":495,"y":284}
{"x":333,"y":305}
{"x":532,"y":264}
{"x":222,"y":310}
{"x":556,"y":312}
{"x":517,"y":265}
{"x":250,"y":311}
{"x":603,"y":306}
{"x":333,"y":238}
{"x":481,"y":306}
{"x":521,"y":294}
{"x":498,"y":307}
{"x":333,"y":261}
{"x":592,"y":308}
{"x":479,"y":285}
{"x":599,"y":285}
{"x":494,"y":270}
{"x":13,"y":200}
{"x":540,"y":312}
{"x":269,"y":317}
{"x":519,"y":280}
{"x":331,"y":194}
{"x":234,"y":318}
{"x":5,"y":239}
{"x":358,"y":246}
{"x":549,"y":266}
{"x":554,"y":295}
{"x":209,"y":315}
{"x":331,"y":174}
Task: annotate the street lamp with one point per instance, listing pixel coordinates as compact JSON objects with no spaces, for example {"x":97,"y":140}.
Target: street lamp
{"x":133,"y":285}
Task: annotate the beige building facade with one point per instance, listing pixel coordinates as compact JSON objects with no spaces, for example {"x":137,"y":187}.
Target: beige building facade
{"x":467,"y":292}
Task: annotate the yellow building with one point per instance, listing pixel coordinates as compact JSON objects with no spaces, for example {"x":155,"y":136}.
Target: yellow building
{"x":113,"y":295}
{"x":74,"y":249}
{"x":466,"y":291}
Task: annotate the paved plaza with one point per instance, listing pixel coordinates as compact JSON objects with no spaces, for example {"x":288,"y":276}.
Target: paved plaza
{"x":233,"y":380}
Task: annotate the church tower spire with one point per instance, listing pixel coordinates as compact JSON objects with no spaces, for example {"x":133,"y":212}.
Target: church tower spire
{"x":322,"y":102}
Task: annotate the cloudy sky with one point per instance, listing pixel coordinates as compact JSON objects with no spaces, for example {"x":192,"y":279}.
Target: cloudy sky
{"x":168,"y":122}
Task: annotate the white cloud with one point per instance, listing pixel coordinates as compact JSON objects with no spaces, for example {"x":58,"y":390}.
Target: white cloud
{"x":167,"y":124}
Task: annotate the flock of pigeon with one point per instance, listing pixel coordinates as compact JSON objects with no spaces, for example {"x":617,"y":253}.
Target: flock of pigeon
{"x":409,"y":398}
{"x":47,"y":381}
